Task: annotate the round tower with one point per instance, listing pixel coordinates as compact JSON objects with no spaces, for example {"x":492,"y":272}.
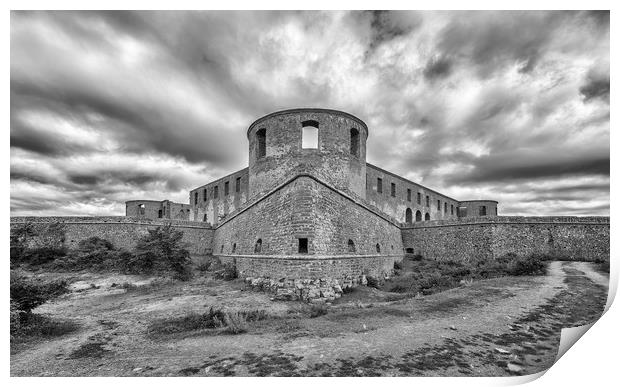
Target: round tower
{"x":327,"y":144}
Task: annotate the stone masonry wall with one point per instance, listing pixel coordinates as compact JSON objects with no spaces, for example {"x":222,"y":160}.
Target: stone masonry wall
{"x":122,"y":231}
{"x":575,"y":238}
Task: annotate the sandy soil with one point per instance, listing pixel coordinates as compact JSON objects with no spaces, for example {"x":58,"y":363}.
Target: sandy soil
{"x":502,"y":326}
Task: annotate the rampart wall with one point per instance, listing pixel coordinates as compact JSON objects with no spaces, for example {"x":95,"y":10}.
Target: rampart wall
{"x":574,"y":238}
{"x":122,"y":231}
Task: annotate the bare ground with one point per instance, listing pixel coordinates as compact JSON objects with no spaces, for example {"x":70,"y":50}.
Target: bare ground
{"x":502,"y":326}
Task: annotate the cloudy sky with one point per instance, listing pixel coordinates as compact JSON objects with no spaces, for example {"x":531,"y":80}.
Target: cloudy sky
{"x":111,"y":106}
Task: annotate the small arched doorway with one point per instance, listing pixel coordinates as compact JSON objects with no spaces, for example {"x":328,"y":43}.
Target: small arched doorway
{"x":408,"y":216}
{"x":418,"y":216}
{"x":427,"y":216}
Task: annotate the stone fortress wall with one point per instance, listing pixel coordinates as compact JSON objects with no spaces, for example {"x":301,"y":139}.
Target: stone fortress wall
{"x":470,"y":239}
{"x":122,"y":231}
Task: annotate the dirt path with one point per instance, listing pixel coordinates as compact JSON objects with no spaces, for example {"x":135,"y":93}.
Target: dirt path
{"x":502,"y":326}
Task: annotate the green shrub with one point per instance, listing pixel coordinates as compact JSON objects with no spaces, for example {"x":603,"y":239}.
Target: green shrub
{"x":161,"y":251}
{"x":27,"y":294}
{"x":18,"y":242}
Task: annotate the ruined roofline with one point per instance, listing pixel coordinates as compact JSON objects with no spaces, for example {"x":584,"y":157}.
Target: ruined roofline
{"x":308,"y":110}
{"x":221,"y":178}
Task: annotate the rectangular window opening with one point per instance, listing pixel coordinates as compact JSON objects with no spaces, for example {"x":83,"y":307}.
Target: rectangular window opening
{"x":238,"y":184}
{"x":226,"y":188}
{"x":408,"y":195}
{"x":419,"y":198}
{"x":393,"y":190}
{"x":379,"y":185}
{"x":303,"y":246}
{"x":216,"y":192}
{"x":309,"y":137}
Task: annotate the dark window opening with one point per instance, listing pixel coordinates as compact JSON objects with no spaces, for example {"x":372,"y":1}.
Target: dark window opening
{"x":379,"y":185}
{"x":261,"y":142}
{"x":204,"y":195}
{"x":427,"y":216}
{"x":204,"y":218}
{"x":445,"y":208}
{"x":409,"y":250}
{"x":461,"y":212}
{"x":164,"y":208}
{"x":408,"y":195}
{"x":216,"y":192}
{"x":196,"y":197}
{"x":159,"y":214}
{"x":393,"y":190}
{"x":355,"y":142}
{"x":222,"y":249}
{"x":418,"y":216}
{"x":234,"y":248}
{"x":428,"y":201}
{"x":312,"y":123}
{"x":408,"y":216}
{"x":238,"y":184}
{"x":451,"y":209}
{"x":378,"y":248}
{"x":419,"y":198}
{"x":438,"y":205}
{"x":350,"y":246}
{"x":258,"y":246}
{"x":303,"y":246}
{"x":483,"y":211}
{"x":226,"y":188}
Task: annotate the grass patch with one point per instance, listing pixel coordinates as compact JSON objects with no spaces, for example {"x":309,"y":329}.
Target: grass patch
{"x":39,"y":327}
{"x":216,"y":320}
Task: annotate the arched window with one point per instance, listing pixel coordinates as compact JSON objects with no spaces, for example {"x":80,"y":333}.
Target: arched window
{"x":355,"y":142}
{"x":261,"y":143}
{"x":418,"y":216}
{"x":378,"y":248}
{"x":310,"y":134}
{"x":351,"y":246}
{"x":234,"y":248}
{"x":408,"y":216}
{"x":258,"y":246}
{"x":427,"y":216}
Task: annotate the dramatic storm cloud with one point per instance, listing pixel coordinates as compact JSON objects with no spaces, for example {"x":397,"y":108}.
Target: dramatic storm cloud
{"x":112,"y":106}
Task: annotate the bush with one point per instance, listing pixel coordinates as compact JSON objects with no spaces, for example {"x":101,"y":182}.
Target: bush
{"x":318,"y":310}
{"x":228,"y":273}
{"x":50,"y":244}
{"x":93,"y":253}
{"x":372,"y":282}
{"x":529,"y":265}
{"x":398,"y":265}
{"x":27,"y":294}
{"x":161,"y":251}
